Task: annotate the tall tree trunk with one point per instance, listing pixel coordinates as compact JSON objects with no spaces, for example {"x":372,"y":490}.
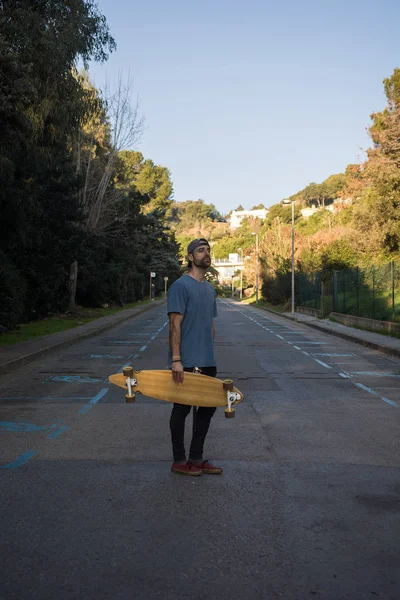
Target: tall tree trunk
{"x":73,"y":278}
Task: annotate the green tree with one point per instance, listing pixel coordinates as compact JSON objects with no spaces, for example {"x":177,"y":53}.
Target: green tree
{"x":382,"y":172}
{"x":41,"y":104}
{"x":152,"y":181}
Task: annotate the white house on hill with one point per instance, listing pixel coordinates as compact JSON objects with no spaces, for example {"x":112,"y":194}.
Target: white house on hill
{"x":237,"y":216}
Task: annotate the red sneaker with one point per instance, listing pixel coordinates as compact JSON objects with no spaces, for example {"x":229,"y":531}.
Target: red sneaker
{"x":209,"y":469}
{"x":187,"y":468}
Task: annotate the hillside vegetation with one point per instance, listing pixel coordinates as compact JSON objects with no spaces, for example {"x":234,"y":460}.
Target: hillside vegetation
{"x":362,"y":230}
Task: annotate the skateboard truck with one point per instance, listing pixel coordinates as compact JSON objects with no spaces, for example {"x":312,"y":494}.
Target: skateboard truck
{"x":130,"y":381}
{"x":231,"y":397}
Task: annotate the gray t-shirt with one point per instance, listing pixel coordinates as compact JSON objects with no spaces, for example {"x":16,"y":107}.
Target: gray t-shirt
{"x":196,"y":301}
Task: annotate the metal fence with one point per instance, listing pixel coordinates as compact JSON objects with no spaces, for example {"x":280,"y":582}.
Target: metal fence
{"x":373,"y":292}
{"x":308,"y":290}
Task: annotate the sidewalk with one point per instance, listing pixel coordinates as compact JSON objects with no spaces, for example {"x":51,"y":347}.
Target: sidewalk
{"x":16,"y":355}
{"x":377,"y":341}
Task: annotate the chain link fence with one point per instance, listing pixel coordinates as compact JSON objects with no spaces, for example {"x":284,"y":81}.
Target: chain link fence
{"x":372,"y":292}
{"x":308,"y":290}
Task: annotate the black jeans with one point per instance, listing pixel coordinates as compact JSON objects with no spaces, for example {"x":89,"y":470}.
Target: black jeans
{"x":200,"y":429}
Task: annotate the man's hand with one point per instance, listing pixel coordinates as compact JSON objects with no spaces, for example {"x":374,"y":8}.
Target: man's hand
{"x":177,"y":372}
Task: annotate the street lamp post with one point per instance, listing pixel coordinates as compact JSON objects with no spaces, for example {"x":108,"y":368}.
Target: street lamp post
{"x":152,"y":275}
{"x":256,"y":234}
{"x":287,"y":201}
{"x":241,"y":273}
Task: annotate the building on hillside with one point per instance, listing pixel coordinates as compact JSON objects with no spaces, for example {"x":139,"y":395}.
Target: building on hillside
{"x":227,"y":267}
{"x":237,"y":216}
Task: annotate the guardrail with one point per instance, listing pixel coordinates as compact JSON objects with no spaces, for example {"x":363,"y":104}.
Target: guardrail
{"x":226,"y":261}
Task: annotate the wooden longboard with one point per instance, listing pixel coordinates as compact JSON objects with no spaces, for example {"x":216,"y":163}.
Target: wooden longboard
{"x":196,"y":390}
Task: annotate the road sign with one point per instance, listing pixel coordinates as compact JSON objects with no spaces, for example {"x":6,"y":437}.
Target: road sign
{"x":152,"y":274}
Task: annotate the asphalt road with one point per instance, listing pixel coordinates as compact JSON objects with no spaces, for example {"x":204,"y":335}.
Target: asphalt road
{"x":308,"y":505}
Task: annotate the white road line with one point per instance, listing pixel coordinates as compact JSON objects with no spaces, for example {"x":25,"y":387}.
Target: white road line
{"x":322,"y":363}
{"x":383,"y":387}
{"x":275,"y":328}
{"x":312,"y":343}
{"x":370,"y":391}
{"x":375,"y":374}
{"x":294,"y":332}
{"x":332,"y":354}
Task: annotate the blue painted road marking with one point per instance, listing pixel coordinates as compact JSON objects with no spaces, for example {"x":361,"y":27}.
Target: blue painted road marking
{"x":21,"y":460}
{"x":92,"y":401}
{"x":139,"y":334}
{"x":44,"y":398}
{"x":18,"y":427}
{"x":105,"y":356}
{"x":57,"y":432}
{"x":124,"y":342}
{"x":74,"y":379}
{"x":99,"y":396}
{"x":32,"y":428}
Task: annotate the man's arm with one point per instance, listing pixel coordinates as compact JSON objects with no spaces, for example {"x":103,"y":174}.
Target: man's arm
{"x":175,"y":321}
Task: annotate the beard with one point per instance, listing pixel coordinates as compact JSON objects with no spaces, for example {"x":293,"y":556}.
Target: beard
{"x":203,"y":263}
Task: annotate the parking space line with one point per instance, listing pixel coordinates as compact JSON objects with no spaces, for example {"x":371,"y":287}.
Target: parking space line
{"x":374,"y":393}
{"x":322,"y":363}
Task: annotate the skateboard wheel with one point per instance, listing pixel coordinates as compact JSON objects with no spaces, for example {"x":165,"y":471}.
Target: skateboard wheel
{"x":229,"y":414}
{"x":128,"y":371}
{"x":228,"y":385}
{"x":130,"y":399}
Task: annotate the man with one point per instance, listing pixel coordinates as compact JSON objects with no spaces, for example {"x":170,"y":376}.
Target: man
{"x":191,"y":309}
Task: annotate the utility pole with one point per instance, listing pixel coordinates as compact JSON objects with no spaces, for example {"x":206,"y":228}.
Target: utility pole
{"x":287,"y":201}
{"x":293,"y":258}
{"x":256,"y":234}
{"x":241,"y":272}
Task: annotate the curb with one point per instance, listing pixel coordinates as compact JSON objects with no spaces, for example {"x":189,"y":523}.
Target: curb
{"x":345,"y":336}
{"x":15,"y":363}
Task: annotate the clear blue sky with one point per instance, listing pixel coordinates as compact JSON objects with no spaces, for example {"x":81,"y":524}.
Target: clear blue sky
{"x":247,"y":102}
